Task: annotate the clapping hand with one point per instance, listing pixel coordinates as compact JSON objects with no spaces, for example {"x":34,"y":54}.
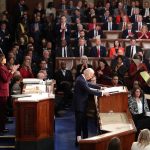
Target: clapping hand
{"x":15,"y":68}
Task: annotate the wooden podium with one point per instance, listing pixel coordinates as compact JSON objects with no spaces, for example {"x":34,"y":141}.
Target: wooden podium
{"x":34,"y":123}
{"x":115,"y":120}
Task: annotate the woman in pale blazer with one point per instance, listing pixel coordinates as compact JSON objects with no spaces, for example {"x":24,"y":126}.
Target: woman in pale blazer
{"x":143,"y":142}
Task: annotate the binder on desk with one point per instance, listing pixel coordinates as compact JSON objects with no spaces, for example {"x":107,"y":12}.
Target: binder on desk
{"x":146,"y":77}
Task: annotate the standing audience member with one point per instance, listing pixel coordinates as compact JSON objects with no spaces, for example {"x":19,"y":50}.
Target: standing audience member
{"x":103,"y":72}
{"x":5,"y":77}
{"x":64,"y":82}
{"x":138,"y":107}
{"x":143,"y":142}
{"x":83,"y":65}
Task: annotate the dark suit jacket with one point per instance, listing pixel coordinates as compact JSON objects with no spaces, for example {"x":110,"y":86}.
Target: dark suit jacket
{"x":125,"y":34}
{"x":67,"y":33}
{"x":135,"y":26}
{"x":77,"y":51}
{"x":5,"y":77}
{"x":59,"y":77}
{"x":93,"y":52}
{"x":128,"y":50}
{"x":114,"y":26}
{"x":59,"y":52}
{"x":91,"y":33}
{"x":81,"y":91}
{"x":143,"y":11}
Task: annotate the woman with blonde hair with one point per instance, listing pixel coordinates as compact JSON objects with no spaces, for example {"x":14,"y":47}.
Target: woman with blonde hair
{"x":143,"y":142}
{"x":144,"y":33}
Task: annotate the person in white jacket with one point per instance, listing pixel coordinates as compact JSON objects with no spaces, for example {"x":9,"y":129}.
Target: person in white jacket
{"x":143,"y":142}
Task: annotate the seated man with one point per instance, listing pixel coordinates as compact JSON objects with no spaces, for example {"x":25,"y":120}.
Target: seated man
{"x":64,"y":82}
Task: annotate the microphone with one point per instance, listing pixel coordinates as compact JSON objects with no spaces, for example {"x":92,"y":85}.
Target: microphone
{"x":121,"y":83}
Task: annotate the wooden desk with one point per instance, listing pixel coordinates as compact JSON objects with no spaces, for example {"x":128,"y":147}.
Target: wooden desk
{"x":34,"y":121}
{"x":120,"y":124}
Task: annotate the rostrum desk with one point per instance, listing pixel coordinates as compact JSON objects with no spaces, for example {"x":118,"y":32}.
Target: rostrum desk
{"x":34,"y":123}
{"x":115,"y":120}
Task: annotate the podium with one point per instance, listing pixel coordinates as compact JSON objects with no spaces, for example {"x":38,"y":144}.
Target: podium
{"x":34,"y":122}
{"x":114,"y":120}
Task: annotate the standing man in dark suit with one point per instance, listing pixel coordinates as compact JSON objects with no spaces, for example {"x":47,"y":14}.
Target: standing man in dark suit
{"x":64,"y":82}
{"x":63,"y":30}
{"x":132,"y":49}
{"x":98,"y":50}
{"x":81,"y":91}
{"x":5,"y":77}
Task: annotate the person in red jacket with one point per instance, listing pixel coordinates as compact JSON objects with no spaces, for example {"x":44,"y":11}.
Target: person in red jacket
{"x":25,"y":69}
{"x":5,"y":77}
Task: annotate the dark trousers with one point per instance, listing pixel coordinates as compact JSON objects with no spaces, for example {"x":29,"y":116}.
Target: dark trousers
{"x":3,"y":109}
{"x":81,"y":124}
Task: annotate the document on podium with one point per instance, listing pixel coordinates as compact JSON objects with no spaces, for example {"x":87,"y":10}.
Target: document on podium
{"x":117,"y":89}
{"x":146,"y":77}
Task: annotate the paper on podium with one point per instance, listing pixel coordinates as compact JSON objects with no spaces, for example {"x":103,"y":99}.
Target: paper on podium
{"x":116,"y":89}
{"x":145,"y":76}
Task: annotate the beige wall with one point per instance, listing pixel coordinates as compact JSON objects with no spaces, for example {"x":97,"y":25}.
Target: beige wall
{"x":2,"y":5}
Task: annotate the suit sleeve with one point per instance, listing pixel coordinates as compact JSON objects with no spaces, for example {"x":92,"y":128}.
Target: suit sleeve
{"x":93,"y":91}
{"x":5,"y":76}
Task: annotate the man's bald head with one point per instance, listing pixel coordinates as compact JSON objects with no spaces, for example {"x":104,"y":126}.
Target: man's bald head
{"x":88,"y":73}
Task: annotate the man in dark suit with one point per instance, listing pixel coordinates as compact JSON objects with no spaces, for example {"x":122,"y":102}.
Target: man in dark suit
{"x":110,"y":25}
{"x":81,"y":49}
{"x":146,"y":9}
{"x":132,"y":49}
{"x":137,"y":26}
{"x":135,"y":15}
{"x":63,"y":30}
{"x":64,"y":82}
{"x":64,"y":50}
{"x":129,"y":32}
{"x":4,"y":38}
{"x":96,"y":32}
{"x":98,"y":50}
{"x":81,"y":91}
{"x":104,"y":18}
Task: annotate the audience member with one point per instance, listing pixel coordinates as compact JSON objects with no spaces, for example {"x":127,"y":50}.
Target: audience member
{"x":84,"y":64}
{"x":103,"y":72}
{"x":138,"y":107}
{"x":114,"y":144}
{"x":143,"y":142}
{"x":114,"y":50}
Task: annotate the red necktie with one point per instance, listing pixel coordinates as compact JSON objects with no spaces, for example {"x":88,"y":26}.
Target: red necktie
{"x":98,"y":52}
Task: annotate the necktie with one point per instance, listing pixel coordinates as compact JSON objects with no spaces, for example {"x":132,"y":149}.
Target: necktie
{"x":95,"y":33}
{"x":65,"y":52}
{"x":98,"y":52}
{"x":131,"y":52}
{"x":81,"y":51}
{"x":139,"y":26}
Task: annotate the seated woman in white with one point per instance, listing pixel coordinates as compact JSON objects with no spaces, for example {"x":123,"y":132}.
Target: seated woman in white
{"x":143,"y":142}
